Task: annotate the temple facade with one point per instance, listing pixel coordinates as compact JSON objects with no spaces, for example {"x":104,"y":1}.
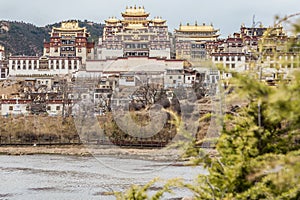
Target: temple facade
{"x":190,"y":40}
{"x":134,"y":35}
{"x":69,"y":40}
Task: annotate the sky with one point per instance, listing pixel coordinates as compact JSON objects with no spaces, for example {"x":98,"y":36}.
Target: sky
{"x":226,"y":15}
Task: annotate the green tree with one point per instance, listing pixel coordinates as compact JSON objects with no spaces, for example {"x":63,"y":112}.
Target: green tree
{"x":259,"y":147}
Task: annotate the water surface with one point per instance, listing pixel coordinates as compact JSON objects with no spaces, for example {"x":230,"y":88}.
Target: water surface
{"x":74,"y":177}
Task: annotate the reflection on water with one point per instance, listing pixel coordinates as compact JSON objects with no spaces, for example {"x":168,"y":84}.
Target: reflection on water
{"x":72,"y":177}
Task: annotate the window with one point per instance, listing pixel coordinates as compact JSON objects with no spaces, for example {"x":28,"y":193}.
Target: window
{"x":174,"y":81}
{"x":171,"y":77}
{"x":179,"y":77}
{"x":10,"y":108}
{"x":57,"y":107}
{"x":48,"y":107}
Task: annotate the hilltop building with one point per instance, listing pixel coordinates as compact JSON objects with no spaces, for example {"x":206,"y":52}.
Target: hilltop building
{"x":241,"y":52}
{"x":69,"y":40}
{"x":190,"y":40}
{"x":134,"y":35}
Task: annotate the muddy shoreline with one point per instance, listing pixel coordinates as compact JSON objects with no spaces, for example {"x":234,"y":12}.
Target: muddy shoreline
{"x":82,"y":150}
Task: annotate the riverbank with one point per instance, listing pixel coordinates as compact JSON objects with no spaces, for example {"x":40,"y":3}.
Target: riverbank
{"x":82,"y":150}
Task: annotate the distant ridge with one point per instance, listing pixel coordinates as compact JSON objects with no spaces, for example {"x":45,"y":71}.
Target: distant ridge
{"x":21,"y":38}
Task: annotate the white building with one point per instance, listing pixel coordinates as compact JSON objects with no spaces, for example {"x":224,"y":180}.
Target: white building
{"x":54,"y":107}
{"x":230,"y":61}
{"x":14,"y":107}
{"x":33,"y":66}
{"x":174,"y":78}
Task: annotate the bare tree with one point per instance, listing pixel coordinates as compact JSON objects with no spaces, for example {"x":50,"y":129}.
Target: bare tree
{"x":148,"y":95}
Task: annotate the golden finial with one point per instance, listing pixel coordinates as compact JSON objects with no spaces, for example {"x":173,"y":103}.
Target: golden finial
{"x":134,"y":6}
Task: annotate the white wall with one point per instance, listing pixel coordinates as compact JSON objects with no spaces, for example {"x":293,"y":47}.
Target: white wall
{"x":17,"y":109}
{"x":161,"y":53}
{"x":104,"y":53}
{"x":133,"y":64}
{"x":57,"y":68}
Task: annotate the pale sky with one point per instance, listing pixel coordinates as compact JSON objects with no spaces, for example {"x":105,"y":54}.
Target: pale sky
{"x":226,"y":15}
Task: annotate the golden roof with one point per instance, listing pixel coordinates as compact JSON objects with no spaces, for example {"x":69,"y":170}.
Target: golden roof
{"x":158,"y":20}
{"x":196,"y":28}
{"x":112,"y":20}
{"x":135,"y":11}
{"x":69,"y":25}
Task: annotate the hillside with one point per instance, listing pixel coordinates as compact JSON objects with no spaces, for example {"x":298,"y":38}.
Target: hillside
{"x":20,"y":38}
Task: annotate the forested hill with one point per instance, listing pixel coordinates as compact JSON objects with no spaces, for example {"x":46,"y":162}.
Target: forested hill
{"x":20,"y":38}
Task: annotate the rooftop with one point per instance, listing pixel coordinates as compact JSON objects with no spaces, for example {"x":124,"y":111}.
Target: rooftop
{"x":69,"y":26}
{"x":135,"y":11}
{"x":196,"y":28}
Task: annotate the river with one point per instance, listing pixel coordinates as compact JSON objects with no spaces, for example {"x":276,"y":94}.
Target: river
{"x":75,"y":177}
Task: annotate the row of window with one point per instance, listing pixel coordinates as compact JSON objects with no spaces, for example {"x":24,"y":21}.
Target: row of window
{"x":11,"y":108}
{"x":51,"y":66}
{"x":228,"y":58}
